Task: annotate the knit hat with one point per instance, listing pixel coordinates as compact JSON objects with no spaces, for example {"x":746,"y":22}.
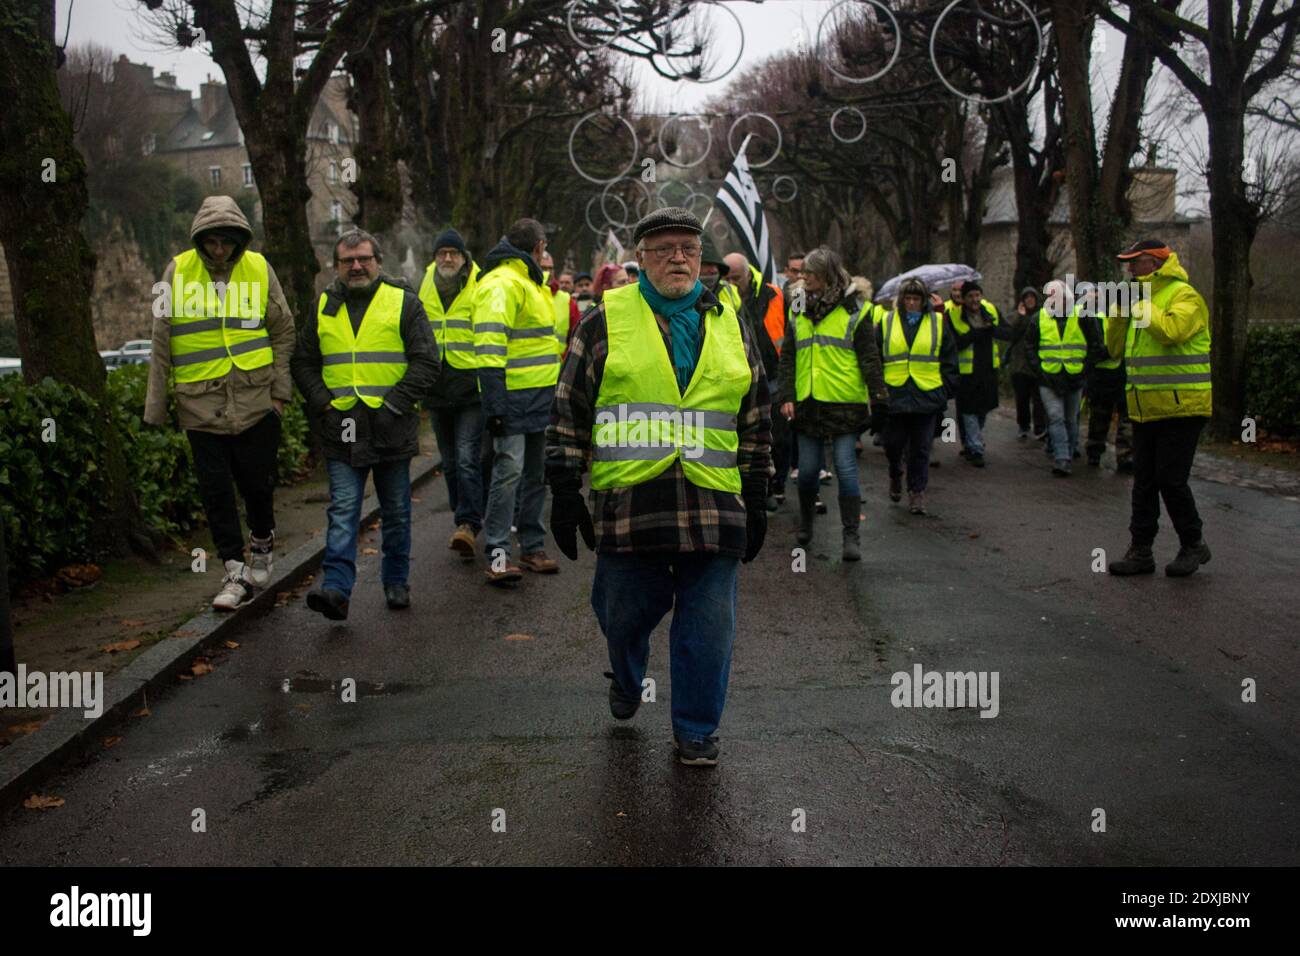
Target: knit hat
{"x":449,"y":238}
{"x":970,"y":285}
{"x":669,"y":217}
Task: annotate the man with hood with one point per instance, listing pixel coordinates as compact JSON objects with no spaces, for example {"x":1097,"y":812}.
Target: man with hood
{"x":518,"y":365}
{"x":1165,"y":342}
{"x":223,"y":339}
{"x":365,"y":357}
{"x":447,"y":295}
{"x":1031,"y":416}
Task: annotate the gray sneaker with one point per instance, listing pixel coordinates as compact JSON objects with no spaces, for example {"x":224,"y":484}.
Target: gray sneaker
{"x":697,"y":753}
{"x":261,"y":559}
{"x":236,"y":588}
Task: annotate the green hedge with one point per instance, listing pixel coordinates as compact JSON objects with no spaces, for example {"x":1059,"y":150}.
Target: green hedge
{"x":1273,"y":378}
{"x":49,"y":490}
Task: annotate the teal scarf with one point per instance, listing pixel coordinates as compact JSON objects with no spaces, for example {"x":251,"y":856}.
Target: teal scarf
{"x":684,"y":324}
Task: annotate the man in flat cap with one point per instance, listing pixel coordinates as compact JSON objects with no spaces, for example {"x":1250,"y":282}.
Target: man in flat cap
{"x":1165,"y":343}
{"x":663,"y":390}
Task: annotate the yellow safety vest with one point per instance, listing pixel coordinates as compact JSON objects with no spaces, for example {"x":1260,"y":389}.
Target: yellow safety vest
{"x":826,"y":364}
{"x":214,"y":329}
{"x":1152,"y":364}
{"x":560,"y":304}
{"x":453,"y":329}
{"x":367,"y":363}
{"x":644,"y":422}
{"x":525,"y":345}
{"x":1056,"y":351}
{"x":920,"y":362}
{"x":966,"y":357}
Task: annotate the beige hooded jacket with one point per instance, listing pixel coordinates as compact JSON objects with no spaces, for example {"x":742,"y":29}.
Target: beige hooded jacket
{"x":240,"y":399}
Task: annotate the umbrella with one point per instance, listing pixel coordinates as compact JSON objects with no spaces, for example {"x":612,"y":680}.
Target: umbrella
{"x":938,"y":277}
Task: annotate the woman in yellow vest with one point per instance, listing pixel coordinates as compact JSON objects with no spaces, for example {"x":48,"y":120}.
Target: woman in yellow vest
{"x":1165,"y":343}
{"x":831,"y":388}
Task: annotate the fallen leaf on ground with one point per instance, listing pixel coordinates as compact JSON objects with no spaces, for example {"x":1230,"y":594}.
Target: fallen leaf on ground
{"x":369,"y":550}
{"x":973,"y":534}
{"x":78,"y":575}
{"x":120,"y":646}
{"x":413,"y":498}
{"x":519,"y":637}
{"x":231,"y":645}
{"x":282,"y":598}
{"x":184,"y":677}
{"x":201,"y":667}
{"x":111,"y":742}
{"x":38,"y":802}
{"x":28,"y":728}
{"x":142,"y":712}
{"x":302,"y":706}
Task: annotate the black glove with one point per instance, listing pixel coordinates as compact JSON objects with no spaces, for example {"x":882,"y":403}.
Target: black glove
{"x":755,"y":525}
{"x":879,"y":414}
{"x":496,"y":425}
{"x":569,"y":515}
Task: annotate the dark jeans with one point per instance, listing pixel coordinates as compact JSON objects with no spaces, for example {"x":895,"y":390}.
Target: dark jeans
{"x":812,"y":458}
{"x":1102,"y":407}
{"x":347,"y":492}
{"x":780,"y":451}
{"x":459,"y":429}
{"x":1026,"y":389}
{"x":1162,"y":463}
{"x":246,"y":461}
{"x":630,"y":595}
{"x":912,"y":433}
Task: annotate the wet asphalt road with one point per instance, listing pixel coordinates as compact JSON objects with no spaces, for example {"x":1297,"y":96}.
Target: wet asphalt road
{"x":1123,"y":695}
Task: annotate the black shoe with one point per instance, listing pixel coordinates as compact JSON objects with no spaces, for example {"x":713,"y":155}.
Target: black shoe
{"x":620,"y":706}
{"x":935,"y":463}
{"x":1062,"y":468}
{"x":1124,"y":467}
{"x":976,"y":460}
{"x":771,"y":503}
{"x":780,"y":498}
{"x":821,"y":505}
{"x":1188,"y":560}
{"x":329,"y":602}
{"x":1136,"y":560}
{"x":398,"y":596}
{"x":697,"y":753}
{"x":896,"y":488}
{"x":965,"y":453}
{"x":1094,"y":461}
{"x":807,"y":510}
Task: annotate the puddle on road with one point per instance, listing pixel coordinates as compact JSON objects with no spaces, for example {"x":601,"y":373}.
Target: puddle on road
{"x":324,"y":685}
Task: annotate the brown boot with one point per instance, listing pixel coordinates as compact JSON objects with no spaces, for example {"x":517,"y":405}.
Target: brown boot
{"x":539,"y":563}
{"x":462,"y":542}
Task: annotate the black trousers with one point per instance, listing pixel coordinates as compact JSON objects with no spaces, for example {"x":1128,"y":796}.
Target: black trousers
{"x":1027,"y":397}
{"x":246,"y":461}
{"x":1162,"y":463}
{"x":1102,"y":407}
{"x":780,"y":450}
{"x":913,"y":434}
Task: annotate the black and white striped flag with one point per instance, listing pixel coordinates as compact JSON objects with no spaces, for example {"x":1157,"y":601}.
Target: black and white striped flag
{"x":740,"y":201}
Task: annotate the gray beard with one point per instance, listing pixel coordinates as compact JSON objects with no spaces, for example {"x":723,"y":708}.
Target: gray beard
{"x":448,"y":284}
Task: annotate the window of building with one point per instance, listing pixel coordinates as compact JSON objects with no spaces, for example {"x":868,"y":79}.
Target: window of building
{"x":248,"y":175}
{"x":332,"y":131}
{"x":214,"y":176}
{"x":334,"y":172}
{"x":149,"y":144}
{"x":336,"y":211}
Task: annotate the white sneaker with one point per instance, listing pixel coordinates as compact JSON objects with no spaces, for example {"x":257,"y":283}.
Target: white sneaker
{"x":261,"y":559}
{"x":236,"y":588}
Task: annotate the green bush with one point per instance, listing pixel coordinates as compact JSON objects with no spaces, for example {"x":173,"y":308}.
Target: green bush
{"x":1273,"y":378}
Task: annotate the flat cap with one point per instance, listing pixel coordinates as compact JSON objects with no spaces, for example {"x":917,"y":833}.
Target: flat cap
{"x":669,"y":217}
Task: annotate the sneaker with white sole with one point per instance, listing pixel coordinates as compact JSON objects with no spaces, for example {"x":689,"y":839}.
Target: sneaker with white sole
{"x":261,"y":559}
{"x":236,"y":588}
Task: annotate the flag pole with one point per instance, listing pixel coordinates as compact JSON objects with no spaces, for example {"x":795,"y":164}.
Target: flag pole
{"x":709,"y":215}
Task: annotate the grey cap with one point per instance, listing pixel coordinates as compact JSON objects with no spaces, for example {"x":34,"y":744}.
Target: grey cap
{"x":670,"y":217}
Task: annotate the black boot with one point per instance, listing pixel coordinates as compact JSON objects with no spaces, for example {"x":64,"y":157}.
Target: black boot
{"x":849,"y":520}
{"x":1188,"y":560}
{"x":807,"y":511}
{"x":1137,"y":560}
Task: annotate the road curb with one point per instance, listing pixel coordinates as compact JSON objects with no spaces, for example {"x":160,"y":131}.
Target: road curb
{"x":24,"y":762}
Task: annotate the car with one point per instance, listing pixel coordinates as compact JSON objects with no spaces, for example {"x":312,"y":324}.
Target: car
{"x":137,"y":345}
{"x":137,"y":357}
{"x":10,"y":366}
{"x":112,"y":358}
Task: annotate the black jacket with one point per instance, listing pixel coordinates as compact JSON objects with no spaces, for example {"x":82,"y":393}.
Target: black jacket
{"x":391,"y":432}
{"x":909,"y":398}
{"x":977,"y":392}
{"x":1062,"y":381}
{"x":454,"y":386}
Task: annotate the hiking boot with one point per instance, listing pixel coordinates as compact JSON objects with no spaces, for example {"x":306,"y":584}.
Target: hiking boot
{"x":398,"y":596}
{"x":1094,"y":461}
{"x":539,"y":563}
{"x":849,"y":518}
{"x":510,"y":574}
{"x":1188,"y":560}
{"x":1061,"y":469}
{"x":975,"y":458}
{"x":916,"y":502}
{"x":895,"y":488}
{"x":261,"y":559}
{"x":329,"y":602}
{"x":1137,"y":560}
{"x":462,"y":542}
{"x":620,"y":706}
{"x":770,"y":503}
{"x":236,"y":587}
{"x":807,"y":509}
{"x":697,"y":753}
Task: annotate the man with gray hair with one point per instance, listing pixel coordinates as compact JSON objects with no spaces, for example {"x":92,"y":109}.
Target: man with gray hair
{"x":364,"y":358}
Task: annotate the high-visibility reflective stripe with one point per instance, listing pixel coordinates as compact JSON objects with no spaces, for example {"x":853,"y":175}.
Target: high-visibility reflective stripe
{"x":709,"y":457}
{"x":909,"y":357}
{"x":200,"y":325}
{"x":461,"y":323}
{"x":1159,"y":378}
{"x":829,"y":341}
{"x":550,"y":359}
{"x":1065,"y":347}
{"x":491,"y":327}
{"x":458,"y":346}
{"x":535,"y":332}
{"x":361,"y":390}
{"x":704,"y":417}
{"x":343,"y":358}
{"x":207,"y":355}
{"x":490,"y":349}
{"x":1199,"y":358}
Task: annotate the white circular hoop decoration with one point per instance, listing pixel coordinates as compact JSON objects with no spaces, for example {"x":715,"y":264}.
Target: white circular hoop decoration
{"x":974,"y":98}
{"x":740,"y":51}
{"x":708,"y":131}
{"x":628,"y":211}
{"x":898,"y":42}
{"x":573,"y":160}
{"x":779,"y":139}
{"x":700,"y":197}
{"x":775,"y":189}
{"x":568,"y":20}
{"x":718,"y":228}
{"x":622,"y":222}
{"x":586,"y":215}
{"x":663,"y":186}
{"x":848,"y":109}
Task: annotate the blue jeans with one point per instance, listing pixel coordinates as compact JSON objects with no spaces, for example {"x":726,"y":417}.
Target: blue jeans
{"x":347,"y":490}
{"x":459,"y":430}
{"x":517,"y":458}
{"x":1062,"y":421}
{"x":630,"y":595}
{"x":972,"y":427}
{"x":812,"y":459}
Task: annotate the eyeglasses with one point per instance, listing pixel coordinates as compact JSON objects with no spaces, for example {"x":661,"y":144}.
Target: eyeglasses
{"x":355,"y":261}
{"x":690,"y":250}
{"x":448,"y":254}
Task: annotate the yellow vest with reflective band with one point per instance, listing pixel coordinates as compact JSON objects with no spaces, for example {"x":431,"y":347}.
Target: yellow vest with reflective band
{"x":730,"y":295}
{"x":644,"y":422}
{"x":1152,"y":364}
{"x":1056,"y":352}
{"x":524,"y":346}
{"x":211,"y":332}
{"x":560,"y":303}
{"x":920,"y":362}
{"x":826,"y":365}
{"x":368,"y":363}
{"x":966,"y":357}
{"x":453,"y":329}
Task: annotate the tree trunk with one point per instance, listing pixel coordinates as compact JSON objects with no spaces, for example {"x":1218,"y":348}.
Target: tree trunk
{"x":43,"y":199}
{"x":1072,"y":33}
{"x":378,"y":187}
{"x":277,"y":152}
